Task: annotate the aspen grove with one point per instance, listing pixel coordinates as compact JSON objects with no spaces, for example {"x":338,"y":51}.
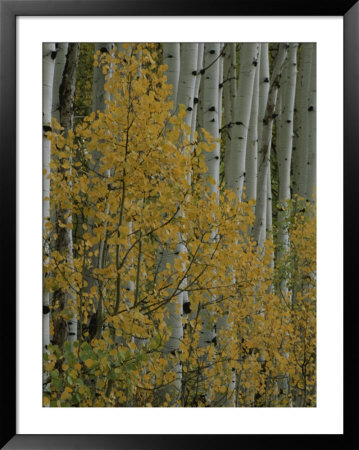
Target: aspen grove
{"x":179,"y":225}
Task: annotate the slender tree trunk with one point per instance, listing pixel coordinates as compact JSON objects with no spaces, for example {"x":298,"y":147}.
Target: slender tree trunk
{"x":284,"y":156}
{"x":211,"y":113}
{"x":229,"y":97}
{"x":196,"y":90}
{"x":222,"y":50}
{"x":237,"y":155}
{"x":252,"y":142}
{"x":212,"y":158}
{"x":49,"y":55}
{"x":174,"y":309}
{"x":259,"y":231}
{"x":187,"y":79}
{"x":264,"y":85}
{"x":300,"y":152}
{"x":284,"y":148}
{"x":312,"y":129}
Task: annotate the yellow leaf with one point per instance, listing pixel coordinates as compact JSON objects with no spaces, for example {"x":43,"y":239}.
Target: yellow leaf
{"x":66,"y":165}
{"x":89,"y":363}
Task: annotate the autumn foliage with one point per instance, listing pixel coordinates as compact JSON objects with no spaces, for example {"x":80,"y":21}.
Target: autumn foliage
{"x":152,"y":247}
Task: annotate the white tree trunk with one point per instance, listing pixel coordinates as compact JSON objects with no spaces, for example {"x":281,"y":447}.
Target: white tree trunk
{"x":252,"y":142}
{"x":285,"y":130}
{"x":187,"y":79}
{"x":300,"y":169}
{"x":49,"y":55}
{"x":210,"y":112}
{"x":284,"y":156}
{"x":259,"y":231}
{"x":212,"y":158}
{"x":237,"y":155}
{"x":264,"y":85}
{"x":173,"y":314}
{"x":229,"y":97}
{"x":312,"y":129}
{"x":196,"y":90}
{"x":220,"y":87}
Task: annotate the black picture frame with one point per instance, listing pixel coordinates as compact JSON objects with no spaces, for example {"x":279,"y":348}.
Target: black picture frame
{"x":9,"y":10}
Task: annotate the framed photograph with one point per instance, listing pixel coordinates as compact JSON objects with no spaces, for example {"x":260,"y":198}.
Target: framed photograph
{"x":177,"y":270}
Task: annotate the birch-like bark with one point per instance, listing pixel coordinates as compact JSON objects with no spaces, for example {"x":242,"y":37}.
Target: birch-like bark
{"x":252,"y":142}
{"x":229,"y":98}
{"x":173,"y":314}
{"x":212,"y":158}
{"x":237,"y":155}
{"x":48,"y":55}
{"x":187,"y":79}
{"x":312,"y":130}
{"x":263,"y":94}
{"x":188,"y":86}
{"x":285,"y":130}
{"x":228,"y":81}
{"x":222,"y":49}
{"x":297,"y":125}
{"x":259,"y":231}
{"x":211,"y":114}
{"x":300,"y":169}
{"x":284,"y":146}
{"x":196,"y":90}
{"x":284,"y":156}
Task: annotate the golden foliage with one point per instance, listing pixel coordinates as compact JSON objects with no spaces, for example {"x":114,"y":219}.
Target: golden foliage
{"x":123,"y":178}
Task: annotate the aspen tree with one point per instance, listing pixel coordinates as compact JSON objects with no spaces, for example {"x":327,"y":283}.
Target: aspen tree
{"x":212,"y":157}
{"x":284,"y":152}
{"x":242,"y":112}
{"x":300,"y":149}
{"x":252,"y":142}
{"x":229,"y":97}
{"x":185,"y":96}
{"x":48,"y":55}
{"x":260,"y":218}
{"x":312,"y":130}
